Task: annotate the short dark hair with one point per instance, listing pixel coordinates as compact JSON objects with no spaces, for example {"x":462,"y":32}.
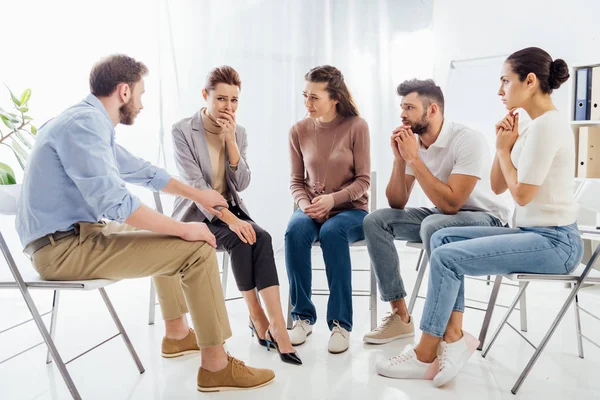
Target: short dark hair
{"x":109,"y":72}
{"x":427,"y":89}
{"x":224,"y":74}
{"x":550,"y":74}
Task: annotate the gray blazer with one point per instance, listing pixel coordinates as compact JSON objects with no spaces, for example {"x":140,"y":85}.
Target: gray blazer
{"x":193,"y":164}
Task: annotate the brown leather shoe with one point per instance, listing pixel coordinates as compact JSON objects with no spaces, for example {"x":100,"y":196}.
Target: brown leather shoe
{"x":176,"y":348}
{"x":236,"y":376}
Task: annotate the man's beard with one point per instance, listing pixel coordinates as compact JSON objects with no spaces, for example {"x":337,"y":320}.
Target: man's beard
{"x":420,"y":126}
{"x":127,"y":113}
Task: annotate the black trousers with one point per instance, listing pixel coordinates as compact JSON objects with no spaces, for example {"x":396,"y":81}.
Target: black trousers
{"x":253,"y":265}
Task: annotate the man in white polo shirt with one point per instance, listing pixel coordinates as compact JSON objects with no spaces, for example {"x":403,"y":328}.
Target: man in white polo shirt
{"x":451,"y":163}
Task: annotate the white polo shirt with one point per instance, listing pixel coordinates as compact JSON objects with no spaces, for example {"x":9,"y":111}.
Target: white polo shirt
{"x":544,"y":155}
{"x":463,"y":151}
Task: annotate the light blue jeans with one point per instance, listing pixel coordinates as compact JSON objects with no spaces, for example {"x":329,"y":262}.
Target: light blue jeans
{"x":384,"y":226}
{"x":479,"y":251}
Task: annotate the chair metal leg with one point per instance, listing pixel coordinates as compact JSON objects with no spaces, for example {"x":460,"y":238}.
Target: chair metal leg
{"x":419,"y":260}
{"x":152,"y":306}
{"x":124,"y":335}
{"x":225,"y":276}
{"x":523,"y":309}
{"x":504,"y":319}
{"x":417,"y":287}
{"x":289,"y":313}
{"x":547,"y":337}
{"x":53,"y":320}
{"x":578,"y":327}
{"x":489,"y":311}
{"x":62,"y":368}
{"x":373,"y":298}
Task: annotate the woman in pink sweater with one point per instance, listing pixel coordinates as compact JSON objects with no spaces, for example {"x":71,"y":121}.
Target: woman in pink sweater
{"x":330,"y":179}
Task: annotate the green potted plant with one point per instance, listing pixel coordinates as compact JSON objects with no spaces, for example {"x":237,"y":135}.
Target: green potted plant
{"x":18,"y":134}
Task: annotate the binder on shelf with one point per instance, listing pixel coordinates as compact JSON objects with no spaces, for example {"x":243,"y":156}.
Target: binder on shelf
{"x":595,"y":103}
{"x":583,"y":95}
{"x":588,"y":163}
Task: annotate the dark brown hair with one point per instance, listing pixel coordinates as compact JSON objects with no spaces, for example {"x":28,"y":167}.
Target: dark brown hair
{"x":550,"y":74}
{"x":426,"y":89}
{"x":109,"y":72}
{"x":222,"y":74}
{"x":336,"y":87}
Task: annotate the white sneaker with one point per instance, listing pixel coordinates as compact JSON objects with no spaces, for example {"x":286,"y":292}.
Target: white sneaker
{"x":407,"y":366}
{"x":339,"y":341}
{"x":453,"y":357}
{"x":300,"y":331}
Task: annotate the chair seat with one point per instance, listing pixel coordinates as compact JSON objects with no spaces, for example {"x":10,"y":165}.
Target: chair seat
{"x":415,"y":245}
{"x":34,"y":281}
{"x":360,"y":243}
{"x":592,"y":278}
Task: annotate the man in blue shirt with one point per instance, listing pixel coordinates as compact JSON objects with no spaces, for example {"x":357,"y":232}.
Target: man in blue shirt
{"x":77,"y":220}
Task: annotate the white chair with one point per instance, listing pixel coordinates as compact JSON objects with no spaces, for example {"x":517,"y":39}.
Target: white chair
{"x":29,"y":280}
{"x":587,"y":196}
{"x":422,"y":264}
{"x":372,"y":292}
{"x":153,"y":303}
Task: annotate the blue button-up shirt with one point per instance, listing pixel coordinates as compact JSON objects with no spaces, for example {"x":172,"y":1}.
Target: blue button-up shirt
{"x":77,"y":173}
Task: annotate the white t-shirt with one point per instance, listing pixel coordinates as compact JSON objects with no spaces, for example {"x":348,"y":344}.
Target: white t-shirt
{"x":544,"y":155}
{"x":462,"y":150}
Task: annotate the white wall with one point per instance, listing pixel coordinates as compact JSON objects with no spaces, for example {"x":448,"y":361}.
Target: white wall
{"x":474,"y":28}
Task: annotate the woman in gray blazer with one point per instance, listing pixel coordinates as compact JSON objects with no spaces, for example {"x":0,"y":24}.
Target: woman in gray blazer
{"x":210,"y":153}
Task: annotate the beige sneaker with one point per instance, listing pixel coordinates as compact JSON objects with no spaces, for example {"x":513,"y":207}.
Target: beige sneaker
{"x":236,"y":376}
{"x":391,"y":328}
{"x":176,"y":348}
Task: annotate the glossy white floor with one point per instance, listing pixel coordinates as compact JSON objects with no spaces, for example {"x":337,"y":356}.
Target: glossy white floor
{"x":109,"y":373}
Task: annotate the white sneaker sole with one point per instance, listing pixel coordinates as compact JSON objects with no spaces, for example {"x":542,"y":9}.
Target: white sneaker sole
{"x":298,"y":344}
{"x":338,"y":352}
{"x":387,"y":340}
{"x":229,"y":388}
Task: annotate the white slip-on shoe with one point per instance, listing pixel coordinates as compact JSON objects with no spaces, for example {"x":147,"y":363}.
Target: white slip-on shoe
{"x":339,"y":341}
{"x":453,"y":357}
{"x":300,"y":331}
{"x":407,"y":366}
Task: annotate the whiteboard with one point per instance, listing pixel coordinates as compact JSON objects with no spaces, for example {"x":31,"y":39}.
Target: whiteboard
{"x":471,"y":97}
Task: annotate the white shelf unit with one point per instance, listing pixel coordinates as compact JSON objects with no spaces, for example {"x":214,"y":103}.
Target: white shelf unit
{"x":575,"y":125}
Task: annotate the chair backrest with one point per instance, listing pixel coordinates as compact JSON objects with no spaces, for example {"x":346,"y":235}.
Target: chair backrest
{"x":372,"y":193}
{"x":588,"y":195}
{"x":9,"y":197}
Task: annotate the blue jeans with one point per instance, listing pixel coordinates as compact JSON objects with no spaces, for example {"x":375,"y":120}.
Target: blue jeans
{"x":384,"y":226}
{"x":478,"y":251}
{"x":335,"y":236}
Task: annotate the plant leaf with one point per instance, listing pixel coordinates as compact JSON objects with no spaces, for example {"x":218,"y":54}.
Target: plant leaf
{"x":14,"y":99}
{"x":33,"y":130}
{"x":25,"y":97}
{"x":7,"y":175}
{"x":27,"y":118}
{"x":19,"y":159}
{"x":23,"y":109}
{"x":8,"y":123}
{"x":19,"y":149}
{"x":24,"y":140}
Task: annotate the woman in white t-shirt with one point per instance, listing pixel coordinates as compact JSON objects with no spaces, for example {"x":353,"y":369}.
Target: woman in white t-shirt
{"x":537,"y":166}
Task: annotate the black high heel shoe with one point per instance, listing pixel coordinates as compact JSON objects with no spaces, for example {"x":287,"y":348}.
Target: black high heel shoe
{"x":290,"y":358}
{"x":261,"y":342}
